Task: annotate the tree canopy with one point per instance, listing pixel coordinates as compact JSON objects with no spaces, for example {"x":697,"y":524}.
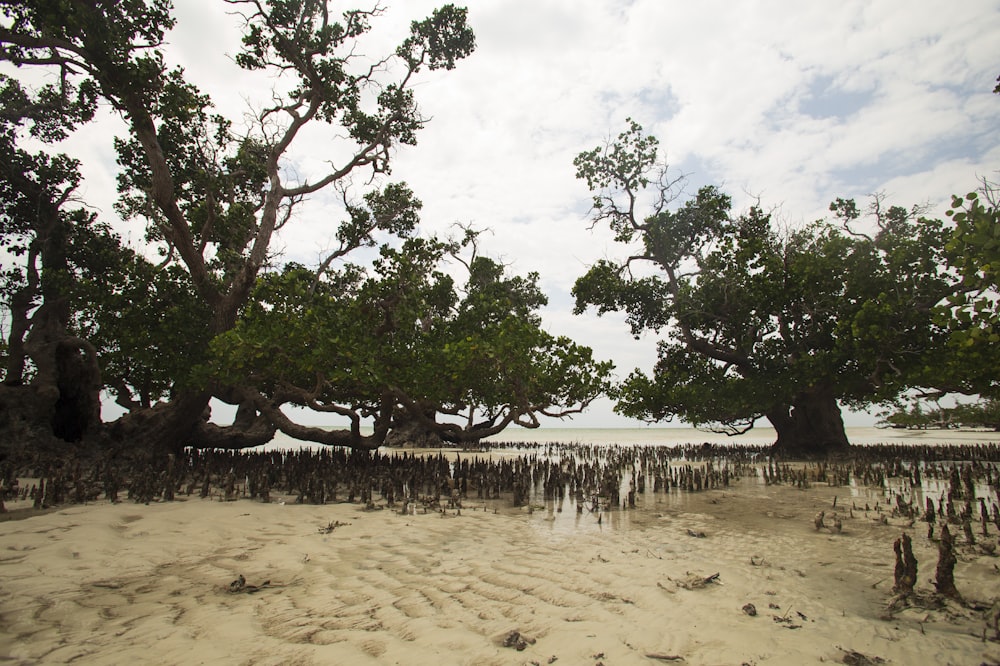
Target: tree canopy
{"x":972,"y":312}
{"x":205,"y":311}
{"x":405,"y":343}
{"x":756,"y":321}
{"x":984,"y":414}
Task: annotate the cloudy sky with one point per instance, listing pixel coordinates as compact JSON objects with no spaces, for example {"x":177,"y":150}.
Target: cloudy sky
{"x":792,"y":102}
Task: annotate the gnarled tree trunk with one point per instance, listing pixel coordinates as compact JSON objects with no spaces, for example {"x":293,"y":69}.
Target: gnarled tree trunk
{"x":413,"y":433}
{"x":811,"y":427}
{"x":59,"y":401}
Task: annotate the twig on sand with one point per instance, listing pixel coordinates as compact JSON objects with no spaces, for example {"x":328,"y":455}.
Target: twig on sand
{"x":240,"y":585}
{"x":786,"y":621}
{"x":695,"y":581}
{"x":855,"y":658}
{"x":330,"y":527}
{"x":664,"y":657}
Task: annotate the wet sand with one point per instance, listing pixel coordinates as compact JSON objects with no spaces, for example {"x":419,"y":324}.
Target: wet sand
{"x":668,"y":582}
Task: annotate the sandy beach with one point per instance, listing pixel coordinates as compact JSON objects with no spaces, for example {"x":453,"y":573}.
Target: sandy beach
{"x":676,"y":580}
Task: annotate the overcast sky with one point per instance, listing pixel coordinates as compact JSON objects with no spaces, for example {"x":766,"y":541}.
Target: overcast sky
{"x":792,"y":102}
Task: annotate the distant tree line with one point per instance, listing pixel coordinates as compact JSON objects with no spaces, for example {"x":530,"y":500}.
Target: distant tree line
{"x":983,"y":414}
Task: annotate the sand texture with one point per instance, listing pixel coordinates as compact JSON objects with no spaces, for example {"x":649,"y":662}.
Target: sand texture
{"x":667,"y":582}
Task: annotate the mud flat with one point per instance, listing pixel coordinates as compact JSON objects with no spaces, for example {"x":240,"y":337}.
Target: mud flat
{"x":748,"y":573}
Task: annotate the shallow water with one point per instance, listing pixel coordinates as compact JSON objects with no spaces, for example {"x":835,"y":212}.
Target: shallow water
{"x":673,"y":436}
{"x":567,"y":515}
{"x":560,"y":517}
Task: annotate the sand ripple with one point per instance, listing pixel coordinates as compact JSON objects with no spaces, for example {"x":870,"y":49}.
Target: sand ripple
{"x":106,"y":583}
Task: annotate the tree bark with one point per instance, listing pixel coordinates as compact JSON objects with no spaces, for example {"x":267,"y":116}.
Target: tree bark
{"x":61,"y":402}
{"x":166,"y":427}
{"x":811,"y":427}
{"x":409,"y":431}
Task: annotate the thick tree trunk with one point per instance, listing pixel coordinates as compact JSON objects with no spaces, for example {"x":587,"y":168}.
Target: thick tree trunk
{"x":78,"y":378}
{"x":60,"y":403}
{"x":811,"y":427}
{"x":60,"y":406}
{"x":412,"y":433}
{"x":166,"y":427}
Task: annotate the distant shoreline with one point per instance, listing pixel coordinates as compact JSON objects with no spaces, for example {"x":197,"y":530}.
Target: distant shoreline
{"x":679,"y":436}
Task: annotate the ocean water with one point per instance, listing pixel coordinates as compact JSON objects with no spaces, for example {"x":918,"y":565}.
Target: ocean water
{"x":763,"y":435}
{"x":654,"y":436}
